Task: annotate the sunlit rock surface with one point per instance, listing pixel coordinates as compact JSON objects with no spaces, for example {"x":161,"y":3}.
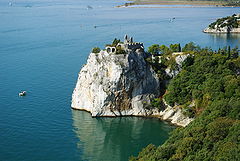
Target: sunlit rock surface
{"x":113,"y":84}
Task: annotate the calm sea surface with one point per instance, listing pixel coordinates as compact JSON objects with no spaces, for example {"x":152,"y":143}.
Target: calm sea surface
{"x":43,"y":45}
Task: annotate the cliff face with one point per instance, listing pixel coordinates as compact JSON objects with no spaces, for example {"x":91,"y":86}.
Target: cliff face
{"x":113,"y":84}
{"x":116,"y":85}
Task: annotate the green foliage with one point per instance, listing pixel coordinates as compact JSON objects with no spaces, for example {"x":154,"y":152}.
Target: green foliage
{"x":158,"y":67}
{"x":175,"y":47}
{"x":203,"y":78}
{"x":120,"y":51}
{"x":188,"y":61}
{"x":164,"y":50}
{"x":212,"y":81}
{"x":170,"y":62}
{"x":96,"y":50}
{"x":190,"y":47}
{"x":157,"y":103}
{"x":230,"y":21}
{"x":233,"y":3}
{"x":154,"y":49}
{"x":115,"y":42}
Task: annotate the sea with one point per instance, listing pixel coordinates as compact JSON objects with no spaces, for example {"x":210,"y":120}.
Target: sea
{"x":44,"y":44}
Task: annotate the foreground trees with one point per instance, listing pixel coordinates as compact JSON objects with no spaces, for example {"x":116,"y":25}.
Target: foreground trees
{"x":211,"y":80}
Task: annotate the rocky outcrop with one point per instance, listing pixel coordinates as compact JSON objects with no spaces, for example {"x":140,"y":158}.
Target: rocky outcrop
{"x":223,"y":30}
{"x":226,"y":25}
{"x":112,"y":84}
{"x":116,"y":85}
{"x":179,"y":59}
{"x":175,"y":115}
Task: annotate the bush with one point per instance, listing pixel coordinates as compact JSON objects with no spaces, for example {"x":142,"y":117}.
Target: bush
{"x":120,"y":51}
{"x":154,"y":49}
{"x":115,"y":42}
{"x":175,"y":47}
{"x":157,"y":103}
{"x":96,"y":50}
{"x":190,"y":47}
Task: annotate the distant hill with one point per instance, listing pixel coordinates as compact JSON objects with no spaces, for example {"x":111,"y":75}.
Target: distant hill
{"x":185,"y":2}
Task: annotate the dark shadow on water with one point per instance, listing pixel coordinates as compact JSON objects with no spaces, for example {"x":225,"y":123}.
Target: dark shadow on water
{"x":116,"y":138}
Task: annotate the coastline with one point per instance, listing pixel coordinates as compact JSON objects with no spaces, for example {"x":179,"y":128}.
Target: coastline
{"x":143,"y":116}
{"x":174,"y":4}
{"x":160,"y":117}
{"x":219,"y":32}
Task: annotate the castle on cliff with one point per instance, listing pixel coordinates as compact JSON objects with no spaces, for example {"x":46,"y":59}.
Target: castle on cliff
{"x":128,"y":45}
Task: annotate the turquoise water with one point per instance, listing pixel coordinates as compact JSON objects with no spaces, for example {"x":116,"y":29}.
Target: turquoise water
{"x":44,"y":43}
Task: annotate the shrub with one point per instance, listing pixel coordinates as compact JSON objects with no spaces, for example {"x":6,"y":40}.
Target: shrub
{"x":96,"y":50}
{"x":154,"y":49}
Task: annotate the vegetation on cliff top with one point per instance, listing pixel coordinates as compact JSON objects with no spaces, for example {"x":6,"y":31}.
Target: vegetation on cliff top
{"x":230,"y":21}
{"x":212,"y":80}
{"x":96,"y":50}
{"x":162,"y":57}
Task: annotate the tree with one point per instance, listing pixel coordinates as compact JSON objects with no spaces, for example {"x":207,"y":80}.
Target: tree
{"x":191,"y":47}
{"x":120,"y":50}
{"x":154,"y":49}
{"x":212,"y":82}
{"x":228,"y":52}
{"x":179,"y":48}
{"x":235,"y":52}
{"x":96,"y":50}
{"x":164,"y":49}
{"x":175,"y":47}
{"x":115,"y":42}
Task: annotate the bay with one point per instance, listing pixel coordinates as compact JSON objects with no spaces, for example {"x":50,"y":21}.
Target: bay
{"x":43,"y":45}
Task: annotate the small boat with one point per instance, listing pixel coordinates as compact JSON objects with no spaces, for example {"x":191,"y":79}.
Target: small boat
{"x":28,"y":6}
{"x":89,"y":7}
{"x":22,"y":93}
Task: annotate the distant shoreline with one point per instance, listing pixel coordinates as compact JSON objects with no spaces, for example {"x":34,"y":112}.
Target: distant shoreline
{"x":192,"y":4}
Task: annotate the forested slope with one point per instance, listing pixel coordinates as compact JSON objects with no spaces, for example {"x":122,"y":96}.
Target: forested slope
{"x":210,"y":79}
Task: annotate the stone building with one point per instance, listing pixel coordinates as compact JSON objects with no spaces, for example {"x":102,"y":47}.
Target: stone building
{"x":127,"y":45}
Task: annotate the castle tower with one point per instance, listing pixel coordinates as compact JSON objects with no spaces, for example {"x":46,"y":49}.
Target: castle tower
{"x":131,"y":39}
{"x":125,"y":39}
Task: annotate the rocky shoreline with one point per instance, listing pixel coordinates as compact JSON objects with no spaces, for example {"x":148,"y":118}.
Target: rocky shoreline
{"x":225,"y":25}
{"x":173,"y":116}
{"x":221,"y":30}
{"x":174,"y":4}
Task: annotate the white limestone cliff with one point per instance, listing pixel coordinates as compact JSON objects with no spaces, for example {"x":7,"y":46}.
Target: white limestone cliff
{"x":113,"y":84}
{"x":175,"y":115}
{"x":116,"y":85}
{"x":179,"y":59}
{"x":223,"y":30}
